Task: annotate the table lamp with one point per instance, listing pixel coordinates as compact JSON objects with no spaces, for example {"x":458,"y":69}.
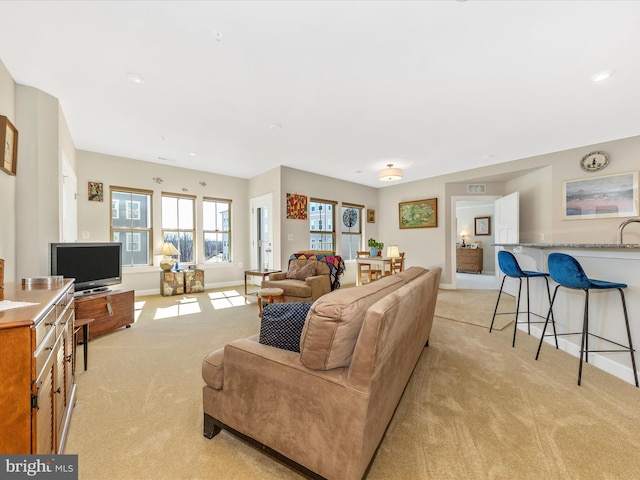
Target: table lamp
{"x":463,"y":234}
{"x":393,"y":251}
{"x":169,"y":251}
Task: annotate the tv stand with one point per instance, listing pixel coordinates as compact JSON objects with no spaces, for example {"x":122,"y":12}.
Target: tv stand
{"x":110,"y":310}
{"x":91,"y":291}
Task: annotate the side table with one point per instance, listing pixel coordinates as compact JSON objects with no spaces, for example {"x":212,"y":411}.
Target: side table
{"x":193,"y":281}
{"x":81,"y":323}
{"x":269,"y":295}
{"x":171,"y":283}
{"x":257,"y":273}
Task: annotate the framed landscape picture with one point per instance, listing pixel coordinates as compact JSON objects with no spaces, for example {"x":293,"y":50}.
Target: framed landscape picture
{"x":9,"y":146}
{"x":605,"y":196}
{"x":418,"y":213}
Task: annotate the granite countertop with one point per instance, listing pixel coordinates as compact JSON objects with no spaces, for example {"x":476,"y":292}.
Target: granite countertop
{"x":616,"y":246}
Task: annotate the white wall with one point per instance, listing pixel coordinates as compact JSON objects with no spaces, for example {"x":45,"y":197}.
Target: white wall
{"x":270,"y":183}
{"x":541,"y":203}
{"x":326,"y":188}
{"x":94,"y":218}
{"x":8,"y":182}
{"x":38,"y":195}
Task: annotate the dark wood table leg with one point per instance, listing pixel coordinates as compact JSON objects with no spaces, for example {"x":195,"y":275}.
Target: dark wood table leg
{"x":85,"y":332}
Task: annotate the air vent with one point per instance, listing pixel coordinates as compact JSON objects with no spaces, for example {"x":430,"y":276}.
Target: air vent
{"x":476,"y":188}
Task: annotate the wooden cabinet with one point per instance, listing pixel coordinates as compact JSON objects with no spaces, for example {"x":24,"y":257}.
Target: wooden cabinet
{"x":469,"y":260}
{"x":36,"y":368}
{"x":109,"y":310}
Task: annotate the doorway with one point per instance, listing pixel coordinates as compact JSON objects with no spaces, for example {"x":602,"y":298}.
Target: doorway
{"x":465,"y":211}
{"x":262,"y":233}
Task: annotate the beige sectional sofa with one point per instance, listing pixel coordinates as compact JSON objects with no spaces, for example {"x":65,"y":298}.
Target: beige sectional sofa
{"x":325,"y":410}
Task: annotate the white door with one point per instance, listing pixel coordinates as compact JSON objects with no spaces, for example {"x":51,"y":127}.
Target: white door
{"x":507,"y":215}
{"x":261,"y":233}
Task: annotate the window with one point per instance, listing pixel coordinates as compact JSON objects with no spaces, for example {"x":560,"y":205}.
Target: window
{"x":131,"y":224}
{"x":351,"y":230}
{"x":216,"y":227}
{"x":321,"y":225}
{"x":178,"y":226}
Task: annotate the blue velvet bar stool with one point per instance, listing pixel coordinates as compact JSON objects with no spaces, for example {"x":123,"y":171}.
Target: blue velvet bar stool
{"x":567,"y":272}
{"x":511,"y":269}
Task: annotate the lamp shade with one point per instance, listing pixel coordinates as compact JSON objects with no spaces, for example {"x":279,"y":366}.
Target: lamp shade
{"x":169,"y":249}
{"x":390,"y":174}
{"x":393,"y":251}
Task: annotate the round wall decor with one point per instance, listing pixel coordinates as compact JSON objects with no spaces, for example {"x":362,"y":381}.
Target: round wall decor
{"x":594,"y":161}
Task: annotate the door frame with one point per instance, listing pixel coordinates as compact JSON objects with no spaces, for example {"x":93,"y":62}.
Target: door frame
{"x":261,"y":201}
{"x":454,"y":226}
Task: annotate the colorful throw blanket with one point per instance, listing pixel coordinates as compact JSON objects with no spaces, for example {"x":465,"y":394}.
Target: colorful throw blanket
{"x":334,"y":262}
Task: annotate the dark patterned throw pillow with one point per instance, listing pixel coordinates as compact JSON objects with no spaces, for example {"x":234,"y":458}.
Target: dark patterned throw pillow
{"x":282,"y":324}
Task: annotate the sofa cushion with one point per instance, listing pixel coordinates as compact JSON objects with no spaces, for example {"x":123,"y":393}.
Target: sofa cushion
{"x":282,"y":323}
{"x":300,"y":272}
{"x":410,"y":273}
{"x":333,"y":324}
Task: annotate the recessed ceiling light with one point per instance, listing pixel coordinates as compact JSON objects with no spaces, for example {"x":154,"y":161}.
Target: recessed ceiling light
{"x":193,"y":154}
{"x":135,"y":78}
{"x":217,"y":34}
{"x":598,"y":77}
{"x":275,"y":126}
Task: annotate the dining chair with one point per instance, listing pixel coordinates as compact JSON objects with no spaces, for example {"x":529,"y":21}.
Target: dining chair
{"x":367,"y":270}
{"x":396,"y":265}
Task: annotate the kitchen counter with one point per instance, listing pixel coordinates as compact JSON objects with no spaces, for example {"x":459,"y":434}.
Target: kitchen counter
{"x":605,"y":246}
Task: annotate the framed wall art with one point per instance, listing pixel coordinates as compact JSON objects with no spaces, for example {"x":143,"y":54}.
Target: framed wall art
{"x":606,"y":196}
{"x":482,"y":225}
{"x":96,"y":192}
{"x":418,"y":213}
{"x":296,"y":206}
{"x":371,"y":215}
{"x":9,"y":146}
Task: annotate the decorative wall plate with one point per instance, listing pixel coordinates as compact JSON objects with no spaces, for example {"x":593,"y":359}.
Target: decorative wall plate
{"x":594,"y":161}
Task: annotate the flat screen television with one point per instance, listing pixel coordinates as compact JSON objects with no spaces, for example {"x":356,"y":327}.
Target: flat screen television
{"x":95,"y":266}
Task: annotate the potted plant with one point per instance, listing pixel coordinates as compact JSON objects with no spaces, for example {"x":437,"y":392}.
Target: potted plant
{"x":375,"y":247}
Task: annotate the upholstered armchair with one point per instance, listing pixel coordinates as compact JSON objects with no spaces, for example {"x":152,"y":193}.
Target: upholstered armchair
{"x":309,"y":276}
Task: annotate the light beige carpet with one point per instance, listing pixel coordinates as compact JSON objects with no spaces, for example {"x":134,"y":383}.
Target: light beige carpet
{"x":475,"y":307}
{"x":475,"y":407}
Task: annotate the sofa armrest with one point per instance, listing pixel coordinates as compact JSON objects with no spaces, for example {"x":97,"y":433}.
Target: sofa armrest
{"x":277,"y":276}
{"x":320,"y":285}
{"x":270,"y":396}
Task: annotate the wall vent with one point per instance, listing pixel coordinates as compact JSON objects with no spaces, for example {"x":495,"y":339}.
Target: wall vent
{"x":476,"y":188}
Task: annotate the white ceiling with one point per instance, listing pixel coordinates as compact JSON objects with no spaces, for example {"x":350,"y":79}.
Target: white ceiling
{"x":336,"y":87}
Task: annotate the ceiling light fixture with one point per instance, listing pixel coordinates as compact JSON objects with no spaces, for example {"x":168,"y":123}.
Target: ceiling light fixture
{"x":135,"y":78}
{"x":599,"y":77}
{"x":390,"y":174}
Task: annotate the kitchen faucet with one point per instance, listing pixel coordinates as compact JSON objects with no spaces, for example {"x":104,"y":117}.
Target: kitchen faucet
{"x":621,"y":228}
